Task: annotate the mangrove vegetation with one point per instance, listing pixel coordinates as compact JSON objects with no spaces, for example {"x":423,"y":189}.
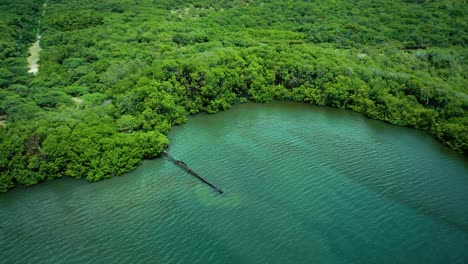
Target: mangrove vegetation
{"x":115,"y":75}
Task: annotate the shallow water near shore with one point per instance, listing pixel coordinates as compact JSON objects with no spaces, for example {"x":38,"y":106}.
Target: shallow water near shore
{"x":303,"y":184}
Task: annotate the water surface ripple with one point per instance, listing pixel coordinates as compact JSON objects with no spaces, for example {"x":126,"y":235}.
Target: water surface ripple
{"x":303,"y":184}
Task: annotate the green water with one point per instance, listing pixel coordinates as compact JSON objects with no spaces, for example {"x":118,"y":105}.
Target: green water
{"x":303,"y":184}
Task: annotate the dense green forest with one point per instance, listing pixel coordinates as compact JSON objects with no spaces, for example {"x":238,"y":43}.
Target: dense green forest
{"x":115,"y":75}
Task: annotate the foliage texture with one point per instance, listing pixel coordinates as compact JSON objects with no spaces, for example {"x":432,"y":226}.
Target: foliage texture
{"x":115,"y":75}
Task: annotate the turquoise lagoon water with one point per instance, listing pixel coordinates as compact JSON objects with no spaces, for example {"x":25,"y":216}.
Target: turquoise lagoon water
{"x":303,"y":184}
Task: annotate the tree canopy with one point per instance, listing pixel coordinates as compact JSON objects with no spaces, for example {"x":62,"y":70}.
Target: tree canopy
{"x":115,"y":75}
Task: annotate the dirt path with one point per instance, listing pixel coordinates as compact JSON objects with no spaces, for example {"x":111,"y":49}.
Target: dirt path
{"x":78,"y":101}
{"x":35,"y":49}
{"x":33,"y":59}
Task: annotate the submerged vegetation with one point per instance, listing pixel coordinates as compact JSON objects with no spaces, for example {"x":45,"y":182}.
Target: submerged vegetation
{"x":115,"y":75}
